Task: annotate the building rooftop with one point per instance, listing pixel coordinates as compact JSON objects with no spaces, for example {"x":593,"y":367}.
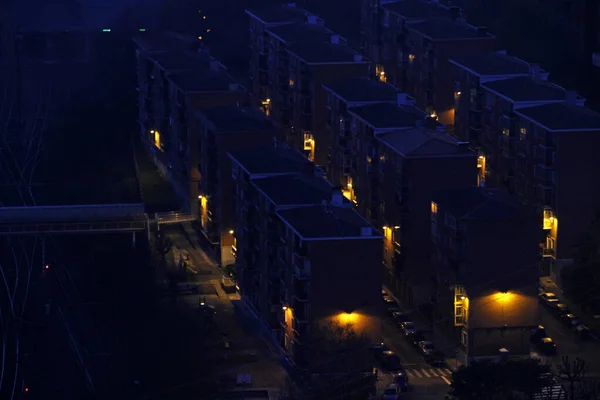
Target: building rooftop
{"x":446,"y":29}
{"x":206,"y":81}
{"x":423,"y":142}
{"x":388,"y":115}
{"x":236,"y":119}
{"x":328,"y":221}
{"x":526,"y":89}
{"x":362,"y":90}
{"x":325,"y":53}
{"x":562,"y":117}
{"x":301,"y":32}
{"x":493,"y":64}
{"x":417,"y":9}
{"x":271,"y":160}
{"x":480,"y":203}
{"x":165,"y":42}
{"x":278,"y":14}
{"x":303,"y":189}
{"x":182,"y":60}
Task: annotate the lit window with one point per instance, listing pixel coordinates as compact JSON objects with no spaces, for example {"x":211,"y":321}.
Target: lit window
{"x":411,"y":58}
{"x":434,"y":208}
{"x":291,"y":83}
{"x":506,"y":132}
{"x":523,"y":132}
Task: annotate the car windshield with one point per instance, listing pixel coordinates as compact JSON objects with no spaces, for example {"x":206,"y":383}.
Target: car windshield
{"x":390,"y":391}
{"x":409,"y":325}
{"x":428,"y":346}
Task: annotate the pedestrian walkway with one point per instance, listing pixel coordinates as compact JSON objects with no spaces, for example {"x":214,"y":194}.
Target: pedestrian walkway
{"x":428,"y":372}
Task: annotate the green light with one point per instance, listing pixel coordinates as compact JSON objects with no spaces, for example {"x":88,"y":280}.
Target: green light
{"x":105,"y":30}
{"x":142,"y":30}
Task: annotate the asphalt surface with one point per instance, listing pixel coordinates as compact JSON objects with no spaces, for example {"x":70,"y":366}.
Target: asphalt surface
{"x":425,"y":381}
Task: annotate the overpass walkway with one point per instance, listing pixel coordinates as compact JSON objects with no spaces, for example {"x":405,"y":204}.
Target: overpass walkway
{"x":89,"y":218}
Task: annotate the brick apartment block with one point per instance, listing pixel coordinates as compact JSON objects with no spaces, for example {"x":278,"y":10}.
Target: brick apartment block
{"x":304,"y":256}
{"x":486,"y":258}
{"x":220,"y":131}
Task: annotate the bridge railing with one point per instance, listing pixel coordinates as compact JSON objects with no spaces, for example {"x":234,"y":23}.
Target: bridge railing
{"x":72,"y":227}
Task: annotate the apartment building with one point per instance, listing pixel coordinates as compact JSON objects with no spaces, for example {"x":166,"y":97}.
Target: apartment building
{"x":220,"y":131}
{"x":248,"y":165}
{"x":389,"y":30}
{"x":486,"y":255}
{"x":359,"y":166}
{"x":148,"y":45}
{"x":280,"y":94}
{"x":341,"y":97}
{"x":303,"y":255}
{"x":414,"y":163}
{"x":310,"y":66}
{"x":188,"y":92}
{"x":259,"y":21}
{"x":429,"y":45}
{"x":551,"y":153}
{"x":261,"y":283}
{"x":470,"y":73}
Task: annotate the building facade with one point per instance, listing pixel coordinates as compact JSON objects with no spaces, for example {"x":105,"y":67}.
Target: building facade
{"x":413,"y":164}
{"x":259,"y":21}
{"x":220,"y":131}
{"x":298,"y":239}
{"x":486,"y":255}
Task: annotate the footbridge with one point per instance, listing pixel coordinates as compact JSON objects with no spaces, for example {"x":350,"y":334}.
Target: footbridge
{"x":89,"y":218}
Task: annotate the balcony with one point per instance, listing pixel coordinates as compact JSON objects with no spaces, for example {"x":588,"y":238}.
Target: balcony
{"x":548,"y":252}
{"x":544,"y":155}
{"x":302,"y":269}
{"x":545,"y":175}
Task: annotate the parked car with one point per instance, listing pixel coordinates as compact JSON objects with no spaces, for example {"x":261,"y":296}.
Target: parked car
{"x":560,"y":309}
{"x":538,"y":333}
{"x":378,"y":349}
{"x":390,"y":393}
{"x":570,"y":320}
{"x":436,"y":358}
{"x":416,"y":337}
{"x":583,"y":332}
{"x":548,"y":298}
{"x":399,"y":317}
{"x":390,"y":302}
{"x":426,"y":347}
{"x":408,"y":327}
{"x":546,"y":346}
{"x":401,"y":380}
{"x":392,"y":310}
{"x":390,"y":361}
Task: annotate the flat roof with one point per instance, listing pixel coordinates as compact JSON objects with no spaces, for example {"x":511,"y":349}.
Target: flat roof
{"x":326,"y":53}
{"x":417,"y":9}
{"x":236,"y":119}
{"x":302,"y":189}
{"x":493,"y":64}
{"x":278,"y":14}
{"x":301,"y":32}
{"x":270,"y":160}
{"x":182,"y":60}
{"x":423,"y":142}
{"x":561,"y":117}
{"x":363,"y":90}
{"x":164,"y":41}
{"x":388,"y":115}
{"x":446,"y":29}
{"x":205,"y":81}
{"x":328,"y":222}
{"x":525,"y":89}
{"x":481,"y":203}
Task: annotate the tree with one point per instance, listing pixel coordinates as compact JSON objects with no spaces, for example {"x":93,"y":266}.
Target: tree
{"x":339,"y":357}
{"x":578,"y":279}
{"x":489,"y":380}
{"x":573,"y":374}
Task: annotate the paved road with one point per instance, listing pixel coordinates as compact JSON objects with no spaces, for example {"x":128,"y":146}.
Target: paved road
{"x":568,"y":344}
{"x":232,"y":317}
{"x":425,"y":381}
